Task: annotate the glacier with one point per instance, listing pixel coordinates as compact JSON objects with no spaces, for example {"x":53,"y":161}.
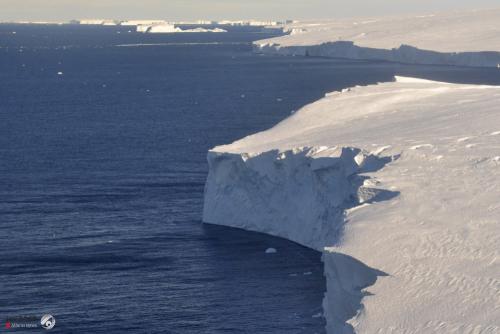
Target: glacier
{"x":466,"y":38}
{"x":397,"y":184}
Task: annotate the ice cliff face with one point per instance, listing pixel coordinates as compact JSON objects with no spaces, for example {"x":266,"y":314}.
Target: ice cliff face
{"x":398,"y":185}
{"x":403,"y":54}
{"x":464,"y":38}
{"x":301,"y":195}
{"x":298,"y":194}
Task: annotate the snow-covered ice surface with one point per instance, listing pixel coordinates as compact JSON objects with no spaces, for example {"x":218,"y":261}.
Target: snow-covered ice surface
{"x":461,"y":38}
{"x":398,"y":184}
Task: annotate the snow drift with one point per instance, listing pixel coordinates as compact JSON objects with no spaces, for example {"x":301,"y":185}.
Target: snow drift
{"x":464,"y":38}
{"x":398,"y":185}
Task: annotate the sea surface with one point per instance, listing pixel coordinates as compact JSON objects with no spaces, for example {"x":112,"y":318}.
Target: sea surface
{"x":103,"y":141}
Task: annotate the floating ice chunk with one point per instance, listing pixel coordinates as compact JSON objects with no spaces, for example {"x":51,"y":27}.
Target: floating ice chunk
{"x":307,"y":273}
{"x":271,"y":251}
{"x":60,"y":73}
{"x":317,"y":315}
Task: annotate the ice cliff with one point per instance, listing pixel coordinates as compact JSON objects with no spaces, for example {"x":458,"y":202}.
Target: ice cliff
{"x":470,"y":38}
{"x":398,"y":185}
{"x":301,"y":193}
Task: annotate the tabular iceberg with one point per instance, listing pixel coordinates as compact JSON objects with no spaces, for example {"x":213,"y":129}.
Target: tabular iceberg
{"x":398,"y":185}
{"x":171,"y":28}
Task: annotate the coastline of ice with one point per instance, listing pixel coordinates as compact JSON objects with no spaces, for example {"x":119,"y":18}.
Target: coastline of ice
{"x":382,"y":181}
{"x":469,"y":38}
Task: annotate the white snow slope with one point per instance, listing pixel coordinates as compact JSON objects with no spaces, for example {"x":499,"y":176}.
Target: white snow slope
{"x":398,"y":184}
{"x":463,"y":38}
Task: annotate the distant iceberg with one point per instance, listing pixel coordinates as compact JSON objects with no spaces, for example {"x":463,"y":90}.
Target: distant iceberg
{"x":204,"y":30}
{"x":141,"y":22}
{"x":104,"y":22}
{"x":170,"y":28}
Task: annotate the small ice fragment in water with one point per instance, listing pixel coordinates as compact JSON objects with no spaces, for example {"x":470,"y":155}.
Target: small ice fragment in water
{"x":279,"y":99}
{"x":317,"y":315}
{"x":60,"y":73}
{"x":307,"y":273}
{"x":271,"y":251}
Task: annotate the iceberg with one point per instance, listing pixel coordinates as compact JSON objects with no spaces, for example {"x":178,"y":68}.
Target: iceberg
{"x":157,"y":28}
{"x":170,"y":28}
{"x":468,"y":38}
{"x":397,"y":184}
{"x":141,"y":22}
{"x":216,"y":30}
{"x":97,"y":22}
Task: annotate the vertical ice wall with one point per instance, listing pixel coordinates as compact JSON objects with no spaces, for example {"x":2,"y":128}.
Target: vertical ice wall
{"x":300,"y":195}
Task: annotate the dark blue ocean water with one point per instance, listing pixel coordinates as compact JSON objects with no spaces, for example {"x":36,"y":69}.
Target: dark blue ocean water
{"x":102,"y":170}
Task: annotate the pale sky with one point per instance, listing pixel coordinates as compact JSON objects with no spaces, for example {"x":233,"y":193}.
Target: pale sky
{"x":223,"y":9}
